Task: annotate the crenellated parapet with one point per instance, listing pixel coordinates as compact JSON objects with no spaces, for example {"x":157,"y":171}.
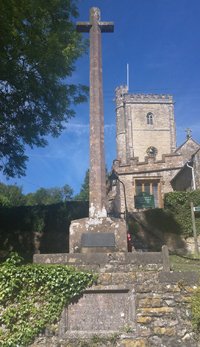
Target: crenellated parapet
{"x":120,"y":93}
{"x":150,"y":164}
{"x":123,"y":95}
{"x":158,"y":98}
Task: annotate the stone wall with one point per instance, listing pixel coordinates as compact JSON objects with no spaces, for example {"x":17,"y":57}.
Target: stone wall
{"x":183,"y":180}
{"x":133,"y":304}
{"x":162,"y":170}
{"x":196,"y":164}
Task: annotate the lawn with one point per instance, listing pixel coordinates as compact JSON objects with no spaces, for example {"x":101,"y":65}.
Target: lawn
{"x":183,"y":263}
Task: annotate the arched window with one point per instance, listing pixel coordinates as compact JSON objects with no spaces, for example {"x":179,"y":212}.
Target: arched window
{"x":150,"y":118}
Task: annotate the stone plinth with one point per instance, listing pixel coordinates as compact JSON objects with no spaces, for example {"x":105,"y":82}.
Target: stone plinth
{"x":98,"y":235}
{"x":106,"y":262}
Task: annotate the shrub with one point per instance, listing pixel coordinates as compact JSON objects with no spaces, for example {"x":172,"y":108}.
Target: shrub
{"x":196,"y":310}
{"x":178,"y":203}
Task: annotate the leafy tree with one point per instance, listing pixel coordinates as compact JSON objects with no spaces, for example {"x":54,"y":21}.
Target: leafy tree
{"x":84,"y":192}
{"x":38,"y":49}
{"x":11,"y":195}
{"x":47,"y":196}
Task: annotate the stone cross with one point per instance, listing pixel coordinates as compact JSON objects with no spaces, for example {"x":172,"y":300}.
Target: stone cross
{"x":97,"y":183}
{"x":189,"y":133}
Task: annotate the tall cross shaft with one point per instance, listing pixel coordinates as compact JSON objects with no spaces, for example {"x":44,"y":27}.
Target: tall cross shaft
{"x":97,"y":183}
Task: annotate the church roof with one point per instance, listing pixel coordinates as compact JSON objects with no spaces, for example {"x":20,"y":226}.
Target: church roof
{"x":193,"y":155}
{"x":190,"y":161}
{"x":187,"y":142}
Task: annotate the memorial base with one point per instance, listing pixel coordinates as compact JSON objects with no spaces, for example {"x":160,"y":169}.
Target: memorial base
{"x":93,"y":235}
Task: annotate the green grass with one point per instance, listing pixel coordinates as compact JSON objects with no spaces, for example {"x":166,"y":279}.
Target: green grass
{"x":185,"y":263}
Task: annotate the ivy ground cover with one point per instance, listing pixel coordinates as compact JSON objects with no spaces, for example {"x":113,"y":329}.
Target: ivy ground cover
{"x":33,"y":296}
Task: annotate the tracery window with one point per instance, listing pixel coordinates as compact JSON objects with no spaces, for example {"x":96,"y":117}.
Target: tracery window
{"x":150,"y":118}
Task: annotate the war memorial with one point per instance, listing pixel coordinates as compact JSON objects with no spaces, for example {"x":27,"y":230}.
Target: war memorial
{"x":137,"y":301}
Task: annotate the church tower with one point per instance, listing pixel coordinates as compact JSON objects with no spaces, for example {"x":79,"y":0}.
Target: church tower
{"x":145,"y":125}
{"x":148,"y":164}
{"x":146,"y":148}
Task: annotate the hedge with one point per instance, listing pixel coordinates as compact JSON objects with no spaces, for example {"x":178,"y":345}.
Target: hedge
{"x":27,"y":229}
{"x":178,"y":205}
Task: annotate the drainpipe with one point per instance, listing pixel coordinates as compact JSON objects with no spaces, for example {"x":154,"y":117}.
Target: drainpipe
{"x":193,"y":178}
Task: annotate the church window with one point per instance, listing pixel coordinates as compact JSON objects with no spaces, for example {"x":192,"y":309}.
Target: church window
{"x":150,"y":187}
{"x":147,"y":187}
{"x":138,"y":187}
{"x":150,"y":118}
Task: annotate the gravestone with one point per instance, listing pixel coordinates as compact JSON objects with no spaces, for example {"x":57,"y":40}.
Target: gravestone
{"x":98,"y":233}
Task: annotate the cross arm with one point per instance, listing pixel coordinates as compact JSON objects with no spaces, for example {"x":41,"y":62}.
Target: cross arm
{"x":83,"y":27}
{"x":106,"y":27}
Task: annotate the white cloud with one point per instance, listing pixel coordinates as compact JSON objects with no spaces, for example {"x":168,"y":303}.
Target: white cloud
{"x":79,"y":129}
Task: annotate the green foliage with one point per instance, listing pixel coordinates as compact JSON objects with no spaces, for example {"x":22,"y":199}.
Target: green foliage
{"x":48,"y":196}
{"x":4,"y":201}
{"x":20,"y":225}
{"x":84,"y":192}
{"x":11,"y":195}
{"x":178,"y":204}
{"x":196,"y":310}
{"x":38,"y":49}
{"x":33,"y":296}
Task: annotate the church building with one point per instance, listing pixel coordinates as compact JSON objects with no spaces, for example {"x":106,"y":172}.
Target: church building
{"x":148,"y":163}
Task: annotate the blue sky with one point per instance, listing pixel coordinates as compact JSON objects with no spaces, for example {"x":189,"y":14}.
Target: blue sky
{"x":160,"y":41}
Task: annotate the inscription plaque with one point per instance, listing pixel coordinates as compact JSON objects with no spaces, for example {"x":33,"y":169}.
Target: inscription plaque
{"x":98,"y":240}
{"x":101,"y":311}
